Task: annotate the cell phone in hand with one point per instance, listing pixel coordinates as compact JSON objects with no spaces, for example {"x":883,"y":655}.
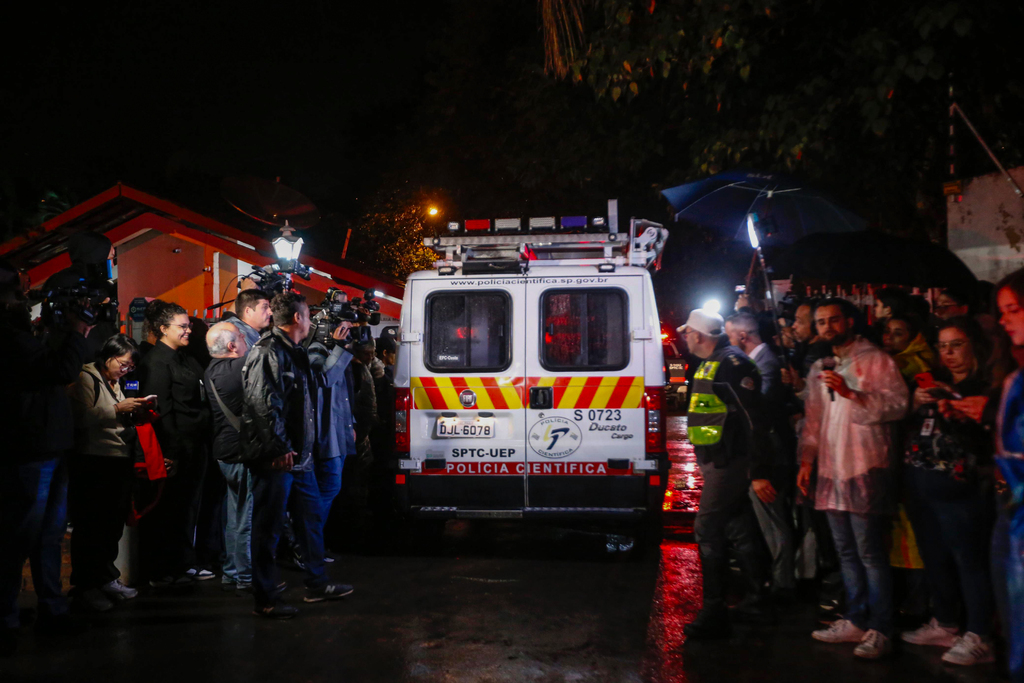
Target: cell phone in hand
{"x":150,"y":399}
{"x":940,"y":393}
{"x":925,"y":380}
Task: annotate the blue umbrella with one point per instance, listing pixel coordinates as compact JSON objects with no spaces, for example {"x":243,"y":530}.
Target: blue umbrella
{"x":786,"y":208}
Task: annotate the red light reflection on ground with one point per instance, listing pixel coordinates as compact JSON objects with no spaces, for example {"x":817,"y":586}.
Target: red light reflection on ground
{"x":682,"y":495}
{"x":677,"y":599}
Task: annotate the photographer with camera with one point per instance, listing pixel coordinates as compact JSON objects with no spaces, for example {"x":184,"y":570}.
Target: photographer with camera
{"x":278,"y":439}
{"x":91,"y":254}
{"x":331,"y":364}
{"x":36,"y":421}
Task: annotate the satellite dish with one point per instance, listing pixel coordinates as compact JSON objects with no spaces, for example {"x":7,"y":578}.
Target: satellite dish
{"x":270,"y":202}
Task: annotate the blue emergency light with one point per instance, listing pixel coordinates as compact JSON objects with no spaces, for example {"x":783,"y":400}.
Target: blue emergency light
{"x":571,"y":222}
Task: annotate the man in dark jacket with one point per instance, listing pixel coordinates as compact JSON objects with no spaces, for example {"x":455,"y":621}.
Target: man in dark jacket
{"x":278,"y":439}
{"x":35,"y":419}
{"x":772,"y":501}
{"x":724,"y":425}
{"x":224,"y":385}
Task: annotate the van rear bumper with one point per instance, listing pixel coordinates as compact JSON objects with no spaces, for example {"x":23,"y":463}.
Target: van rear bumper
{"x":590,"y":513}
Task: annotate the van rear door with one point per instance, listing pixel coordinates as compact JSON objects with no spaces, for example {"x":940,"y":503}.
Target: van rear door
{"x":466,"y":380}
{"x":584,"y":385}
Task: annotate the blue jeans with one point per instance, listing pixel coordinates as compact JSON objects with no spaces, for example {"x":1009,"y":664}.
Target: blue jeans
{"x":237,"y":524}
{"x":864,"y":561}
{"x":33,"y":519}
{"x":328,"y":480}
{"x":270,"y":493}
{"x":952,"y":524}
{"x":1008,"y":580}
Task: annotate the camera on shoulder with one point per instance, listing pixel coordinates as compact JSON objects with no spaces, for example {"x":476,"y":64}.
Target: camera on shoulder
{"x":336,"y":308}
{"x":89,"y":302}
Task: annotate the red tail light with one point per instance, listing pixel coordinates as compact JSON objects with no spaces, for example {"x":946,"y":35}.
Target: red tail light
{"x":403,"y":402}
{"x":654,"y":413}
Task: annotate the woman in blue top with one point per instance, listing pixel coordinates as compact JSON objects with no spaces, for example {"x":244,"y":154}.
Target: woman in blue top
{"x":1008,"y":539}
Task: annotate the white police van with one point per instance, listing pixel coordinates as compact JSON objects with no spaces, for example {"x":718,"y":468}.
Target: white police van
{"x":529,"y":380}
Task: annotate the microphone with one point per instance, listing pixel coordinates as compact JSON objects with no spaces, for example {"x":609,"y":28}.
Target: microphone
{"x":829,"y":364}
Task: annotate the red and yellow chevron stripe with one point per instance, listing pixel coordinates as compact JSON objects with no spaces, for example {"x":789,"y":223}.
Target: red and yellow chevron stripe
{"x":506,"y":393}
{"x":492,"y":393}
{"x":593,"y":392}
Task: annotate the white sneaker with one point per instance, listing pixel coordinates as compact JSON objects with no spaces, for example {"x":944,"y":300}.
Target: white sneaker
{"x":117,"y":590}
{"x":874,"y":645}
{"x":931,"y":633}
{"x":840,"y":631}
{"x":200,"y":574}
{"x":969,"y":650}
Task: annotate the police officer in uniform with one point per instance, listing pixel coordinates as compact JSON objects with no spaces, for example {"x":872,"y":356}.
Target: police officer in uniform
{"x":725,"y":427}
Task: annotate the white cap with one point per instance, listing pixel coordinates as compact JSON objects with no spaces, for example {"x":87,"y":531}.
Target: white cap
{"x":704,"y":322}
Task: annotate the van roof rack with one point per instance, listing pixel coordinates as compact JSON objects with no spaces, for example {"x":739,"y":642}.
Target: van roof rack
{"x":518,"y":252}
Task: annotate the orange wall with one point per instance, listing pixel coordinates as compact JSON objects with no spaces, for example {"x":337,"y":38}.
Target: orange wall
{"x":151,"y":268}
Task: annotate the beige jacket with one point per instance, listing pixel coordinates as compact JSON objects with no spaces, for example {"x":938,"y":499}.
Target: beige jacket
{"x":98,"y":431}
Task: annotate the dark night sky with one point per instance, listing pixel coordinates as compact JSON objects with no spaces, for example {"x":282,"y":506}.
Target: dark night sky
{"x":169,"y":98}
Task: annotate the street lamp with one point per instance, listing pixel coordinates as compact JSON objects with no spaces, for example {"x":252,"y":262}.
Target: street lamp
{"x":432,"y":211}
{"x":287,"y":247}
{"x":712,"y":306}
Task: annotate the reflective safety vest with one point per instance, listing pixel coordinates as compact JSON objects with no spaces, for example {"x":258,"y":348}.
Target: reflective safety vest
{"x":707,"y":411}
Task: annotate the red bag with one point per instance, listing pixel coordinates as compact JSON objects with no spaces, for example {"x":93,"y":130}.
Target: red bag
{"x":152,"y":465}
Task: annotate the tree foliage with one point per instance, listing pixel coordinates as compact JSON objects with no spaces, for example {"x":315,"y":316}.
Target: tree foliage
{"x":852,"y":95}
{"x":389,"y":237}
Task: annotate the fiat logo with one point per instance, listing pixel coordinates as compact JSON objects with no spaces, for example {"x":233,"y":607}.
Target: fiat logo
{"x":467,"y":398}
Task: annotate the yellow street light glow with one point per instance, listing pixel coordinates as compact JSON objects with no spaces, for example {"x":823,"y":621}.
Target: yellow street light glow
{"x":432,"y":211}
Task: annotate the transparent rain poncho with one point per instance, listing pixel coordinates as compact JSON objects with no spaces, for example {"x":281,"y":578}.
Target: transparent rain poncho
{"x":851,"y":438}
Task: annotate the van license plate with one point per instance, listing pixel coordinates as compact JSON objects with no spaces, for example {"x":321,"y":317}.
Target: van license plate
{"x":454,"y":428}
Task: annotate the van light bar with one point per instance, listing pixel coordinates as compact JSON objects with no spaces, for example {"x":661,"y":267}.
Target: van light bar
{"x":569,"y":222}
{"x":475,"y":224}
{"x":542,"y":223}
{"x":508,"y":224}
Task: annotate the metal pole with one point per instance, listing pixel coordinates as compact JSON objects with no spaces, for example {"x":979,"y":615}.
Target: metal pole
{"x":1016,"y":188}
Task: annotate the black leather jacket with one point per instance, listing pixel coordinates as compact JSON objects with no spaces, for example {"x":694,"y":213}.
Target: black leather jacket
{"x":278,"y":415}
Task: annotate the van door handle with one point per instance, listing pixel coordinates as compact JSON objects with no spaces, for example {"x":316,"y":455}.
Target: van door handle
{"x":541,"y":398}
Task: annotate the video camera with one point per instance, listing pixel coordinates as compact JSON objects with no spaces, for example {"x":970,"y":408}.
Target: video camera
{"x":363,"y":311}
{"x":90,"y":303}
{"x":273,"y":279}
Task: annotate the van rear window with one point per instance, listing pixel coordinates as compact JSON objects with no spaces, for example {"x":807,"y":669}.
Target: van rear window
{"x":584,"y":329}
{"x":468,"y":331}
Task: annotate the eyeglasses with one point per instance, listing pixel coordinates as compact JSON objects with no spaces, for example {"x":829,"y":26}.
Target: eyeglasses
{"x":951,"y":346}
{"x":129,"y":366}
{"x":184,"y":327}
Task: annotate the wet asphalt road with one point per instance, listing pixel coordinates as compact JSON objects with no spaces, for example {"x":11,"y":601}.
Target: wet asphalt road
{"x":495,"y":602}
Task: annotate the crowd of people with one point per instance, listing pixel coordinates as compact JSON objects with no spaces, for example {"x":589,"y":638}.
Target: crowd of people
{"x":225,"y":447}
{"x":881,"y":450}
{"x":881,"y":446}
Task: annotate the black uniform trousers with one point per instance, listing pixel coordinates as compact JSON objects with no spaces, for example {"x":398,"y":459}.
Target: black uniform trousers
{"x":726,"y":517}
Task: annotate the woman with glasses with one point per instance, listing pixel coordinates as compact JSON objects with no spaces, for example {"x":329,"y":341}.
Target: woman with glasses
{"x":949,"y":491}
{"x":183,"y":431}
{"x":101,"y":473}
